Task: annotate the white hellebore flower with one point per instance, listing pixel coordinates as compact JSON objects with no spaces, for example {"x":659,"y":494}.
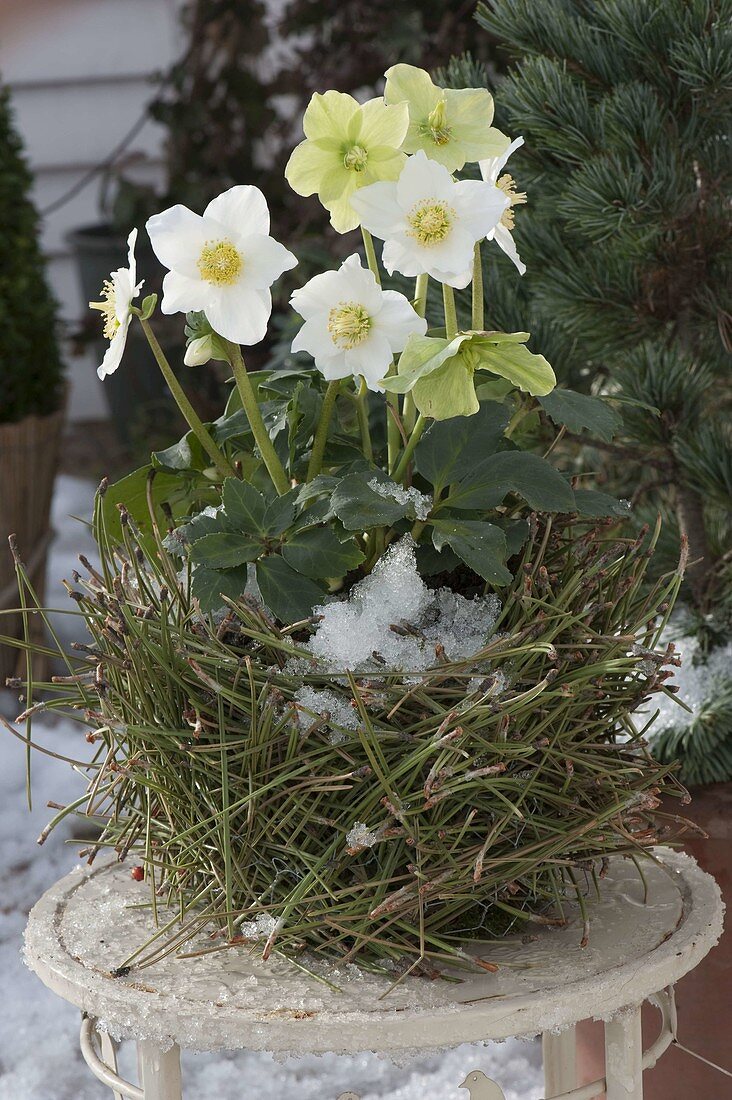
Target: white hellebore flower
{"x":490,"y":171}
{"x":118,"y":293}
{"x":352,"y":326}
{"x":222,"y":263}
{"x":429,"y":222}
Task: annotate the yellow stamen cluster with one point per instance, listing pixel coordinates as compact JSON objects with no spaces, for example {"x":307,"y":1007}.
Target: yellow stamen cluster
{"x":220,"y":263}
{"x":431,"y":221}
{"x":436,"y":127}
{"x":108,"y":309}
{"x":356,"y":158}
{"x":348,"y":324}
{"x":507,"y":184}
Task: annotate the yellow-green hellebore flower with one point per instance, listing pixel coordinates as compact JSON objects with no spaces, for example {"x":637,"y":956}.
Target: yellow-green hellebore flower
{"x":347,"y":146}
{"x":439,"y":373}
{"x":451,"y":125}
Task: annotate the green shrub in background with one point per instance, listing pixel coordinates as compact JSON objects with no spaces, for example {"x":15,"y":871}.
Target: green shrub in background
{"x":626,"y":108}
{"x":30,"y":365}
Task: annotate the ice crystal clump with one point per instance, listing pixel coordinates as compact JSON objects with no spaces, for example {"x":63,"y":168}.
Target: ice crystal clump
{"x":261,"y":928}
{"x":360,"y":836}
{"x":338,"y":710}
{"x":392,"y":619}
{"x":420,"y":502}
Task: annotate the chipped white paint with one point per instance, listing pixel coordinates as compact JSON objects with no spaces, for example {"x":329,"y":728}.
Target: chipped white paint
{"x":559,"y":1051}
{"x":624,"y":1056}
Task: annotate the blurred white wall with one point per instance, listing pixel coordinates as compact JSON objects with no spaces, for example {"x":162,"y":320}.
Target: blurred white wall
{"x":80,"y":72}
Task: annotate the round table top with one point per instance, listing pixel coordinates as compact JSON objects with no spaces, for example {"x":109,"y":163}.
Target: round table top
{"x":92,"y":920}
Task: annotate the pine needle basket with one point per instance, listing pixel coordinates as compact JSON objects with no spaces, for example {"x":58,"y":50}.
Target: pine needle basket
{"x":455,"y":812}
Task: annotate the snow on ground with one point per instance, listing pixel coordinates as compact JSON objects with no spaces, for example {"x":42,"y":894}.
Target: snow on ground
{"x":696,"y":680}
{"x":39,"y":1058}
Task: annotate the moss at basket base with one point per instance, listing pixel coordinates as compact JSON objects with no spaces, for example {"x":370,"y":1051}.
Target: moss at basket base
{"x":472,"y":799}
{"x":30,"y":363}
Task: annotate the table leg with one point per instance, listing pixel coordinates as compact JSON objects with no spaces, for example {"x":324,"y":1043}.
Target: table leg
{"x":559,"y":1054}
{"x":108,"y":1048}
{"x":159,"y":1070}
{"x":624,"y":1056}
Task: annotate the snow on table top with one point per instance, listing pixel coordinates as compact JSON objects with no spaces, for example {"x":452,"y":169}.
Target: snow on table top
{"x":90,"y":922}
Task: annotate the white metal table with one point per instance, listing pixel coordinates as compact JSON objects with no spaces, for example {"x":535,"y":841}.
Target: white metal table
{"x":89,"y":922}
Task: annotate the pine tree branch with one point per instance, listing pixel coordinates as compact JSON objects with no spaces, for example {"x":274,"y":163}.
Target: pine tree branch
{"x":622,"y":450}
{"x":700,"y":573}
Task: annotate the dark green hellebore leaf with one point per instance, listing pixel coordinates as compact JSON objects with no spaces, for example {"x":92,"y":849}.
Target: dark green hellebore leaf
{"x":244,"y":506}
{"x":186,"y":454}
{"x":318,"y":552}
{"x":482,"y":546}
{"x":580,"y":412}
{"x":289,"y":595}
{"x":280,"y":513}
{"x":359,"y":506}
{"x":222,"y":550}
{"x":209,"y":586}
{"x":447,"y":450}
{"x":590,"y":502}
{"x":532,"y":477}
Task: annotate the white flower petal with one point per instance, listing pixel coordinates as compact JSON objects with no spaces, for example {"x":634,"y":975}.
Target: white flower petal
{"x":315,"y":339}
{"x":371,"y":359}
{"x":504,"y":239}
{"x":490,"y":169}
{"x":319,"y":293}
{"x":131,"y":262}
{"x":242,"y":210}
{"x":447,"y":261}
{"x":351,"y":283}
{"x":113,"y":354}
{"x":264,"y":261}
{"x":422,"y":178}
{"x":455,"y":253}
{"x":181,"y":294}
{"x":378,"y":209}
{"x":397,"y":320}
{"x":335,"y":367}
{"x":480,"y":206}
{"x":402,"y":257}
{"x":198,"y":351}
{"x":457,"y":279}
{"x":356,"y":283}
{"x":177,"y":236}
{"x":123,"y":293}
{"x":239,"y":314}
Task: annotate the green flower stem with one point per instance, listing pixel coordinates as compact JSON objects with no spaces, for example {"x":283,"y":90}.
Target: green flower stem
{"x":524,"y":408}
{"x":477,"y":322}
{"x":393,"y":438}
{"x":190,"y":415}
{"x":392,"y":432}
{"x":321,"y":433}
{"x":448,"y":301}
{"x":417,"y":529}
{"x":408,"y":451}
{"x":420,"y":294}
{"x":409,"y":412}
{"x":362,"y":410}
{"x":251,"y":408}
{"x":368,"y":244}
